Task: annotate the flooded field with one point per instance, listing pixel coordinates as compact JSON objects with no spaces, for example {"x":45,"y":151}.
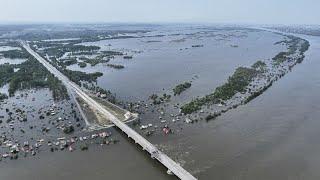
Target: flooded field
{"x":4,"y":60}
{"x":271,"y":137}
{"x":8,"y":48}
{"x":11,"y":61}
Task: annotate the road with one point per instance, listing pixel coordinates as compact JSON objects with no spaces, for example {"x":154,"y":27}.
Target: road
{"x":155,"y":153}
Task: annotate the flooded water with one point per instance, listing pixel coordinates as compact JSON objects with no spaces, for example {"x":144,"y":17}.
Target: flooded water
{"x":11,"y":61}
{"x":8,"y":60}
{"x":8,"y":48}
{"x":273,"y":137}
{"x":164,"y":62}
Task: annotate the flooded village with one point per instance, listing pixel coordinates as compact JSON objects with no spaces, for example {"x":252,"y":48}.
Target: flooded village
{"x":163,"y":81}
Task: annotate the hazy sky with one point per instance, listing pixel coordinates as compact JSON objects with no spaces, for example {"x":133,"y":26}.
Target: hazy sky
{"x":154,"y":11}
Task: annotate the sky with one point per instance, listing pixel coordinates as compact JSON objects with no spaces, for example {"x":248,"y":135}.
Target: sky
{"x":161,"y":11}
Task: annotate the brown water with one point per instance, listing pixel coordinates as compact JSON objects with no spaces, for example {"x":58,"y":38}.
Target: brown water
{"x":164,"y":64}
{"x":273,"y":137}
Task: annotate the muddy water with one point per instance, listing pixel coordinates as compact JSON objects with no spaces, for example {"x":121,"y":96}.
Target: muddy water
{"x":11,"y":61}
{"x":8,"y":48}
{"x":164,"y":62}
{"x":122,"y":161}
{"x":273,"y":137}
{"x":8,"y":60}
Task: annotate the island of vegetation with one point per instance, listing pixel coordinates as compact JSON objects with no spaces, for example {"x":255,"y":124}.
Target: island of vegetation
{"x":127,"y":57}
{"x":59,"y":51}
{"x":15,"y":54}
{"x":293,"y":43}
{"x":115,"y":66}
{"x":198,"y":45}
{"x":236,"y":83}
{"x":260,"y":65}
{"x":68,"y":61}
{"x":31,"y":74}
{"x":156,"y":99}
{"x":97,"y":60}
{"x":181,"y":87}
{"x":3,"y":96}
{"x":82,"y":64}
{"x":78,"y":76}
{"x":249,"y":82}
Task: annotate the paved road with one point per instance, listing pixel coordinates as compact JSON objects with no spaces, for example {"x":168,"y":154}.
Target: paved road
{"x":145,"y":144}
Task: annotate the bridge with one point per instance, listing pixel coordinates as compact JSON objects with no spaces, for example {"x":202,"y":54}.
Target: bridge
{"x":155,"y":153}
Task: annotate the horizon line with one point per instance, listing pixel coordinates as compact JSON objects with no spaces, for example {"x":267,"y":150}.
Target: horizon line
{"x":142,"y":22}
